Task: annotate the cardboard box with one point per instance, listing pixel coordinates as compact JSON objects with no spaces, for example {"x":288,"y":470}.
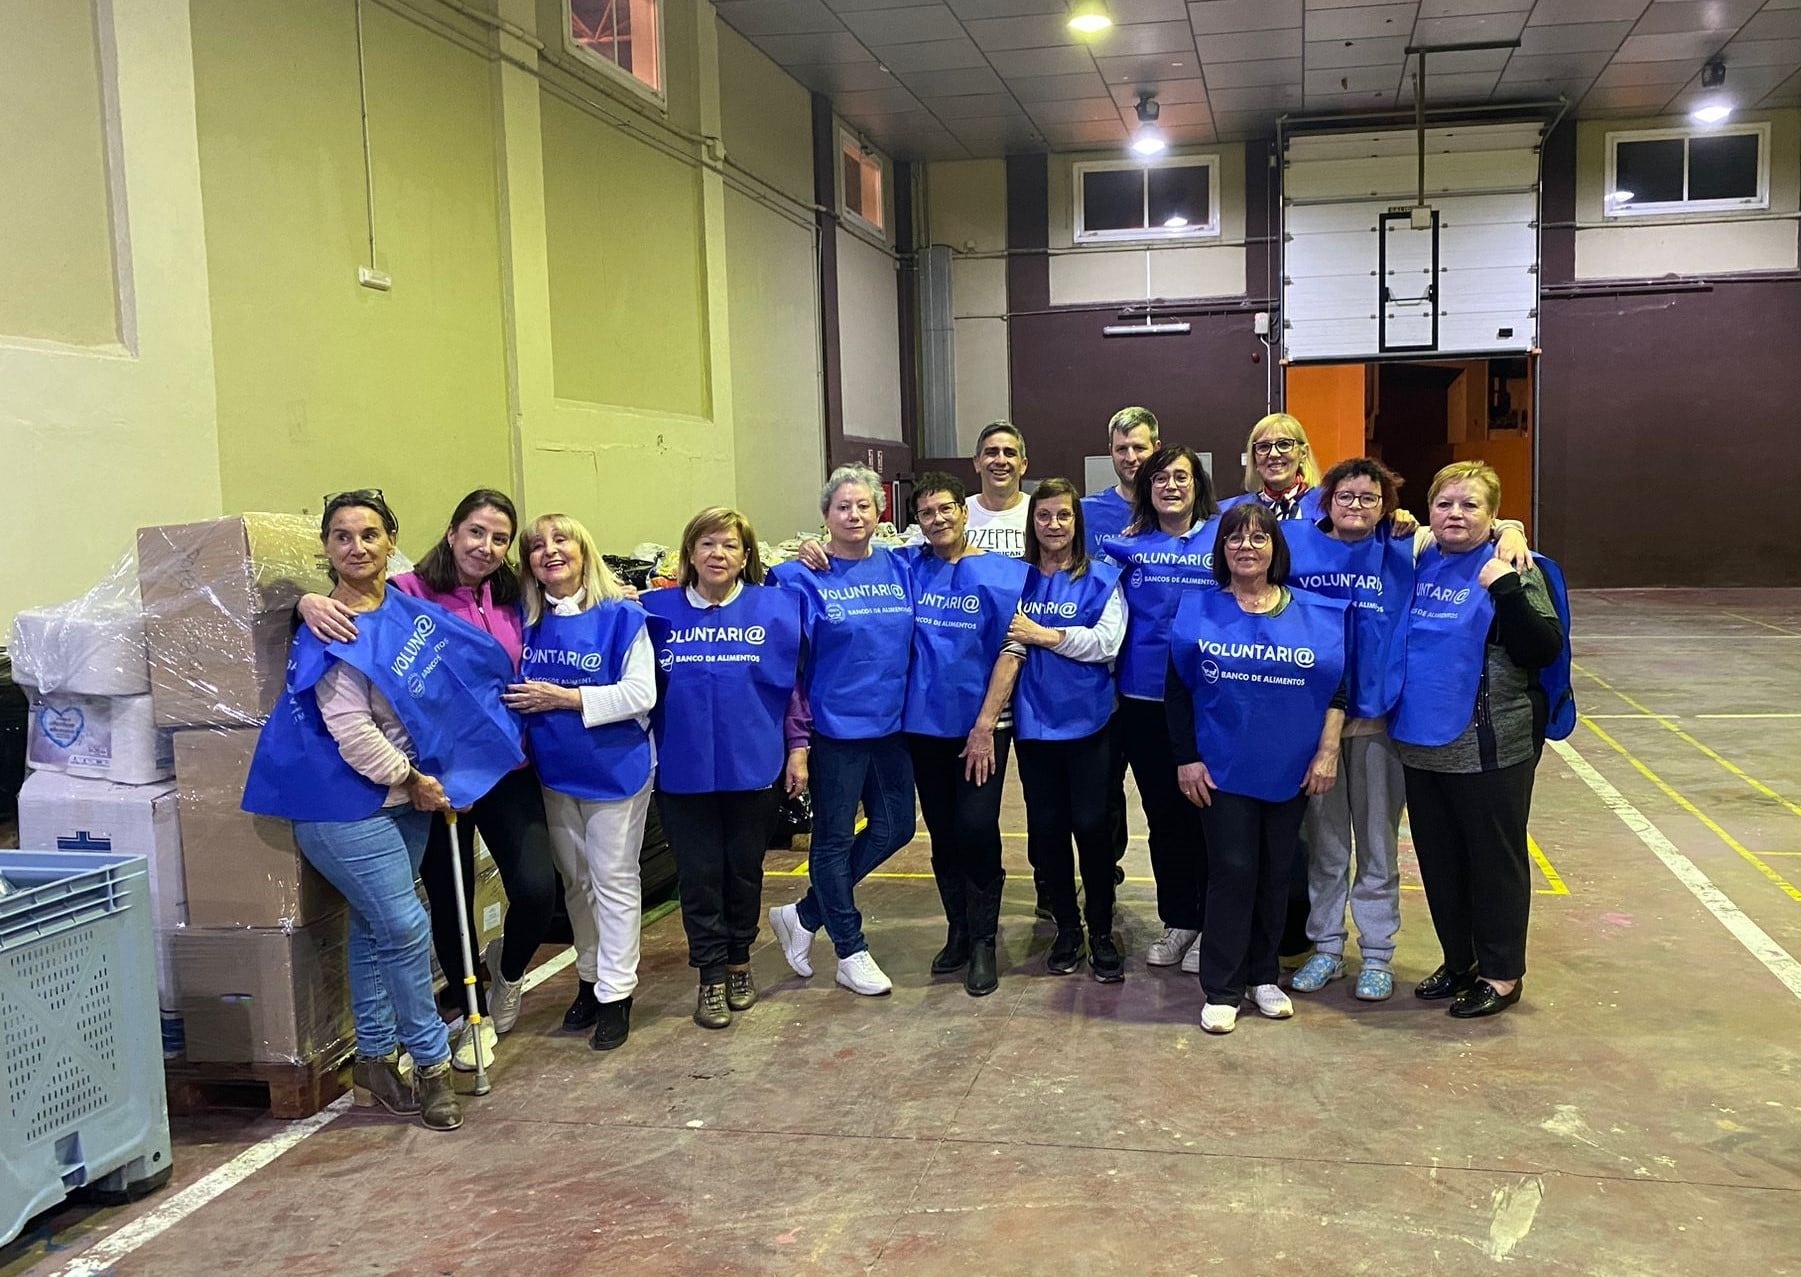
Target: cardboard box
{"x":109,"y":738}
{"x":490,"y":908}
{"x":218,"y":600}
{"x":265,"y":995}
{"x":68,"y":813}
{"x":242,"y":870}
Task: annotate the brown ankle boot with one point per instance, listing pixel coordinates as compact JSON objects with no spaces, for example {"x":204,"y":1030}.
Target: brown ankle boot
{"x":438,"y":1105}
{"x":376,"y":1079}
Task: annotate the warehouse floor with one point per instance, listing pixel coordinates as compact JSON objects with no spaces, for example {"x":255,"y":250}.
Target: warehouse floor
{"x":1639,"y":1112}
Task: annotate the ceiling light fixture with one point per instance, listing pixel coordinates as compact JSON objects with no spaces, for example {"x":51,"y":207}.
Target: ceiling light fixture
{"x":1148,"y":140}
{"x":1713,"y":113}
{"x":1089,"y":18}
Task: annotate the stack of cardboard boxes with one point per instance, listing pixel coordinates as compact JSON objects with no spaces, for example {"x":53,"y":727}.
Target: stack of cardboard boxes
{"x":260,"y":965}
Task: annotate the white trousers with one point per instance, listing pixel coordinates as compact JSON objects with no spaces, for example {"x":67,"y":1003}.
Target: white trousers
{"x":596,"y":846}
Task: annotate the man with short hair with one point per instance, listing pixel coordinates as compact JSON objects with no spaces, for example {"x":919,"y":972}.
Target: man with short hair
{"x":1132,"y":435}
{"x":997,"y":516}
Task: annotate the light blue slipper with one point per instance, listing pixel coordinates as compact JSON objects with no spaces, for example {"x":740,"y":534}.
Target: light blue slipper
{"x":1375,"y":984}
{"x":1317,"y":972}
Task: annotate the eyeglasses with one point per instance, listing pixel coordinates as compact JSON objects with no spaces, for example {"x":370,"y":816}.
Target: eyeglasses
{"x":1280,"y":447}
{"x":1357,"y":500}
{"x":355,"y":493}
{"x":1255,"y":540}
{"x":1172,"y":479}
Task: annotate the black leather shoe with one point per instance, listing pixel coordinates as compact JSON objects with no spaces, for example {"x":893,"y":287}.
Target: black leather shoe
{"x":981,"y":978}
{"x":1482,"y":1000}
{"x":1066,"y":953}
{"x":1104,"y":959}
{"x":1445,"y":983}
{"x":955,"y":952}
{"x":579,"y":1018}
{"x":1119,"y":875}
{"x":612,"y":1025}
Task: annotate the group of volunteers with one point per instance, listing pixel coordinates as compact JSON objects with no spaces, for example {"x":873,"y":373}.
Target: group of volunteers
{"x":1280,"y":672}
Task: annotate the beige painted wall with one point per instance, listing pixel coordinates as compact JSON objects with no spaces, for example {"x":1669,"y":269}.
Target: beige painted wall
{"x":1694,"y":245}
{"x":56,"y":243}
{"x":123,"y":433}
{"x":324,"y":384}
{"x":1086,"y":273}
{"x":869,"y":337}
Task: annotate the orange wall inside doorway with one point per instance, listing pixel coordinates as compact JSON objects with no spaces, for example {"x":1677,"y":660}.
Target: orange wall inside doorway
{"x":1328,"y":399}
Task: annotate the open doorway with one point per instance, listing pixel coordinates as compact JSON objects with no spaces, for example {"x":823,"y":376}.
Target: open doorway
{"x":1420,"y":415}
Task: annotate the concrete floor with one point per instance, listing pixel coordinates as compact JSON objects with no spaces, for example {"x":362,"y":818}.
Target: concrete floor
{"x":1638,"y":1113}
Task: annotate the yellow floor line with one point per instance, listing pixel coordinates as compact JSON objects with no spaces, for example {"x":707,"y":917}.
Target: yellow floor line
{"x":1556,"y":888}
{"x":1669,"y":792}
{"x":1727,"y":763}
{"x":1780,"y":629}
{"x":1544,"y":865}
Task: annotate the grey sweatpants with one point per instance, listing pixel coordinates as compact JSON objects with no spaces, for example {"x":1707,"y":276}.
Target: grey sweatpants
{"x":1367,"y":799}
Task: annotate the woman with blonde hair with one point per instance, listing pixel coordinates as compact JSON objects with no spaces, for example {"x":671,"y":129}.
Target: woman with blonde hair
{"x":732,"y":734}
{"x":589,"y":683}
{"x":1280,"y":471}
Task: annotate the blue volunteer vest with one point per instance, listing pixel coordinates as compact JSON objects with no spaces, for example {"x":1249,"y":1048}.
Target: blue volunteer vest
{"x":1104,"y":515}
{"x":1158,"y":570}
{"x":857,"y":620}
{"x":1554,"y":679}
{"x":1375,"y":577}
{"x":1307,"y":508}
{"x":1261,"y":686}
{"x":1057,"y":698}
{"x":961,"y":612}
{"x":443,"y":677}
{"x":596,"y":764}
{"x":727,"y":675}
{"x":1446,"y":643}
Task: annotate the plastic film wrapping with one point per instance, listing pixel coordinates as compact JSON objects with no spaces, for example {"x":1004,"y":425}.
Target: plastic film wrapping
{"x":267,"y":995}
{"x":90,"y":646}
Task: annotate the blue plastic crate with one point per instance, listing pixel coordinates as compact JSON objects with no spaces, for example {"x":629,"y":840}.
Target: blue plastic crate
{"x":84,"y":1106}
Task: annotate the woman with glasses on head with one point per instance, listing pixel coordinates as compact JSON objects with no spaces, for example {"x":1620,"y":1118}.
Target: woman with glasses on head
{"x":373,"y":734}
{"x":1256,"y":702}
{"x":1073,"y":620}
{"x":469,"y":573}
{"x":1470,"y":722}
{"x":1165,"y":553}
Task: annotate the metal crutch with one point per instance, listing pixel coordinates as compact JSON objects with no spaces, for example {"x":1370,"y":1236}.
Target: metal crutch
{"x":474,"y":1013}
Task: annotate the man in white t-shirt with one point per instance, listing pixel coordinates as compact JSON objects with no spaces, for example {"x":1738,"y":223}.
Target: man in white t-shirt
{"x":997,"y":516}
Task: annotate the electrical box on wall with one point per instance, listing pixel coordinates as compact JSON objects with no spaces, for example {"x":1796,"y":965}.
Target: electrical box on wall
{"x":1368,"y":270}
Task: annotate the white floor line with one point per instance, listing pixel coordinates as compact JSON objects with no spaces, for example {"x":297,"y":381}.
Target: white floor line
{"x":1741,"y":716}
{"x":1753,"y":937}
{"x":105,"y":1254}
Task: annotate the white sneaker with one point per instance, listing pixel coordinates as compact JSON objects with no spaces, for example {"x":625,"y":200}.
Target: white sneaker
{"x":1168,"y":951}
{"x":860,"y":974}
{"x":503,"y":995}
{"x":1191,"y":961}
{"x":1219,"y":1019}
{"x":794,"y":938}
{"x":1271,"y":1001}
{"x":462,"y":1058}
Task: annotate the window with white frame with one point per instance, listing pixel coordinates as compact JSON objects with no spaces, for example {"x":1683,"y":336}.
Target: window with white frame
{"x":623,"y":37}
{"x":1169,"y":199}
{"x":1689,"y":170}
{"x":862,"y":184}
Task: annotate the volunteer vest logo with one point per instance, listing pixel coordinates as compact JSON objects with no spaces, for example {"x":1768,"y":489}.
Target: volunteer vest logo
{"x":836,"y":597}
{"x":706,"y":637}
{"x":1351,"y":582}
{"x":1145,"y":573}
{"x":1302,"y":658}
{"x":1427,"y":595}
{"x":423,"y":629}
{"x":1066,"y":610}
{"x":586,"y":662}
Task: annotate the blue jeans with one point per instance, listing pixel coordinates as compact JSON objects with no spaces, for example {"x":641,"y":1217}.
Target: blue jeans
{"x":373,"y":862}
{"x":880,"y":772}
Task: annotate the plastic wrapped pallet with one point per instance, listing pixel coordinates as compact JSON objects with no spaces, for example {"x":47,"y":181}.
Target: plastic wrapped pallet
{"x":218,"y":600}
{"x":266,"y":995}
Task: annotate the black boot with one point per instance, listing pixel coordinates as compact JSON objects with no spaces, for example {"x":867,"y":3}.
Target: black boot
{"x":983,"y":976}
{"x":956,"y":937}
{"x":1066,"y":952}
{"x":612,"y":1025}
{"x":581,"y":1013}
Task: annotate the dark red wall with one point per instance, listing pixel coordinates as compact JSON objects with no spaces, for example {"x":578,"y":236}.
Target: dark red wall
{"x":1067,"y":379}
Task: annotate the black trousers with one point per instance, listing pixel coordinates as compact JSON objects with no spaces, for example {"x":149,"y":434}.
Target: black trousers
{"x":1116,"y":788}
{"x":963,"y":819}
{"x":1469,"y":832}
{"x":719,"y":841}
{"x":510,"y":820}
{"x":1066,"y":784}
{"x":1178,"y":844}
{"x":1251,"y":846}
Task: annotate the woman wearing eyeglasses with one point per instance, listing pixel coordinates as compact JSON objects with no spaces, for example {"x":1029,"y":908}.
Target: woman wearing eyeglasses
{"x":469,"y":573}
{"x":1280,"y":473}
{"x":1165,"y":553}
{"x":1256,"y":701}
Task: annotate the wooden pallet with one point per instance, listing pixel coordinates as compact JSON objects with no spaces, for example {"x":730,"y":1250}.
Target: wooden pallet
{"x":288,"y":1091}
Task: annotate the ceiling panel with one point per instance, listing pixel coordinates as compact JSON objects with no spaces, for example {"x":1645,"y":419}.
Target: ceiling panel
{"x":981,"y":77}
